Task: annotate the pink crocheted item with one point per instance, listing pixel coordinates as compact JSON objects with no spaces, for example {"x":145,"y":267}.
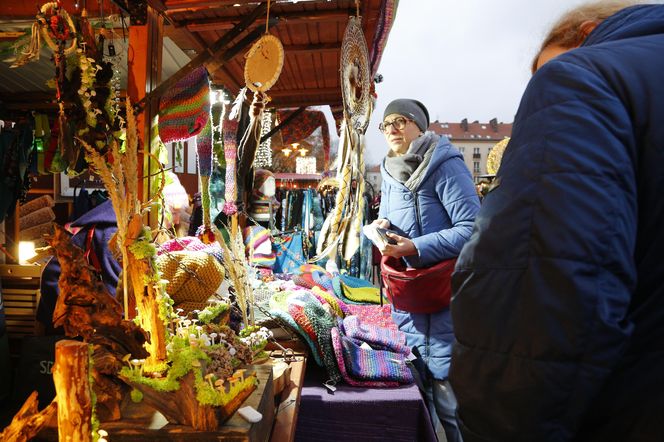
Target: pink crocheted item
{"x":374,"y":314}
{"x":229,"y":128}
{"x":184,"y":243}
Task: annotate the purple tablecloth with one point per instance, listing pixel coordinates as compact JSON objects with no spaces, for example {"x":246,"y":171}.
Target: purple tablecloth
{"x":360,"y":414}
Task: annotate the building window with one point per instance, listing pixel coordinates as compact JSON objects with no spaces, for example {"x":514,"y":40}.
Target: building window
{"x":476,"y":167}
{"x":462,"y":150}
{"x":476,"y":150}
{"x":305,"y":165}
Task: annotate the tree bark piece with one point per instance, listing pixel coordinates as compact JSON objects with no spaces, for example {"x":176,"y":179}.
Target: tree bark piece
{"x":147,"y":296}
{"x":73,"y":394}
{"x":28,"y":422}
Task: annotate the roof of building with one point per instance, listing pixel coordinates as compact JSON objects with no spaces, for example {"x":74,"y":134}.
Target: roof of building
{"x":491,"y":131}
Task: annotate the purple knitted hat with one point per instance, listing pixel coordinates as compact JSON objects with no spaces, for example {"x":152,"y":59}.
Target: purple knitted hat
{"x":338,"y":353}
{"x":375,"y":335}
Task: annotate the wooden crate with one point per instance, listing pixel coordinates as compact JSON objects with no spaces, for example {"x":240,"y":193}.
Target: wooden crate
{"x":20,"y":295}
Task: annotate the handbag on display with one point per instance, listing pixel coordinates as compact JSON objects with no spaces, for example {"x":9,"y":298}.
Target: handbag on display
{"x":289,"y":252}
{"x":417,"y":290}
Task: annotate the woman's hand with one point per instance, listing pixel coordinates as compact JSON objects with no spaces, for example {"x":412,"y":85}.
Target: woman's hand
{"x":381,"y":223}
{"x":403,"y":246}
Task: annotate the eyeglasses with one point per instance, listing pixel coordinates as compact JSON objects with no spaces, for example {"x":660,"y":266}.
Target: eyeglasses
{"x":398,"y":123}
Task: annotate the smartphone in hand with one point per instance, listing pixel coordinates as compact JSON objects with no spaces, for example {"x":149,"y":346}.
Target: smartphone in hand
{"x":383,"y":234}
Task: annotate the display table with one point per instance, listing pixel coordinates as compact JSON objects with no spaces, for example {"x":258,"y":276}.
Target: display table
{"x":352,"y":413}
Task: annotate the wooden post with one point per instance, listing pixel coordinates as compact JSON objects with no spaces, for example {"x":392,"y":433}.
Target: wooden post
{"x":70,"y":375}
{"x":144,"y":74}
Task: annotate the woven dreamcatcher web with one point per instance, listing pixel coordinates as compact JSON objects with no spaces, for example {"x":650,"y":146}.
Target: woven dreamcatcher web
{"x":355,"y":76}
{"x":341,"y":230}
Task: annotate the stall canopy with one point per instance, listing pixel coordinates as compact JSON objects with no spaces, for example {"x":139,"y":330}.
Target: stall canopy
{"x":220,"y":32}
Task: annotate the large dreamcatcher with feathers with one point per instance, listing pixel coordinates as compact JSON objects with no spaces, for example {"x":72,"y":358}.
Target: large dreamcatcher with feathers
{"x":341,"y":230}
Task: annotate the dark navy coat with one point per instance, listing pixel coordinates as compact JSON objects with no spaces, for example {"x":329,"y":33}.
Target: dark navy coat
{"x":438,"y":217}
{"x":558,"y":301}
{"x":102,"y":219}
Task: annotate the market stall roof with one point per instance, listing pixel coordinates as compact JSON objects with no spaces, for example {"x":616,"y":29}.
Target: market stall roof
{"x":310,"y":30}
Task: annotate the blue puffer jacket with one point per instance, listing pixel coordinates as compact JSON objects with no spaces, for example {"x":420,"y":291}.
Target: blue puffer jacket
{"x":558,"y":301}
{"x":438,"y":218}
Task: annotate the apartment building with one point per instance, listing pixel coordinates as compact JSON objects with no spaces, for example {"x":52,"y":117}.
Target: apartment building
{"x":474,"y":140}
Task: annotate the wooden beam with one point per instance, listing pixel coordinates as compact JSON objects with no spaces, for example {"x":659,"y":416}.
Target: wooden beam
{"x":295,"y":17}
{"x":304,"y":92}
{"x":287,"y":102}
{"x":197,"y":5}
{"x":211,"y":52}
{"x":283,"y":124}
{"x":314,"y":47}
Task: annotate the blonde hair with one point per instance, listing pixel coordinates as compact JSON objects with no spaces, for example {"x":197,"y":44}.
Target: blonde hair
{"x":567,"y":32}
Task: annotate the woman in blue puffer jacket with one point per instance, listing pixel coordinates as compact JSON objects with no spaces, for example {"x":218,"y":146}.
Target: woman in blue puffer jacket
{"x":429,"y":200}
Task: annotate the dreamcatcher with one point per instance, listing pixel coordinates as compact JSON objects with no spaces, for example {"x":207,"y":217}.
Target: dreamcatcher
{"x":54,"y":27}
{"x":341,"y":230}
{"x":495,"y":156}
{"x":262,"y":68}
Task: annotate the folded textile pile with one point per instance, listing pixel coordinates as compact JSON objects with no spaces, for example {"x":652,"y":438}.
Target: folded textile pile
{"x":362,"y":364}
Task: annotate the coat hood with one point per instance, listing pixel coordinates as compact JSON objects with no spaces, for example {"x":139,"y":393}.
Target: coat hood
{"x":102,"y":214}
{"x":634,"y":21}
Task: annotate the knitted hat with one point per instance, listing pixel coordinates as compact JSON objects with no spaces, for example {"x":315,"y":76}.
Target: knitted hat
{"x":260,"y":176}
{"x":409,"y":108}
{"x":374,"y":365}
{"x":192,"y":276}
{"x":362,"y":294}
{"x":375,"y":336}
{"x":288,"y":319}
{"x":184,"y":109}
{"x":338,"y":306}
{"x":254,"y":236}
{"x":338,"y":353}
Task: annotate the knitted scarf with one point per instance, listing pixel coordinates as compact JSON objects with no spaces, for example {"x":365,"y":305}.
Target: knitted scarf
{"x":184,"y":109}
{"x":416,"y":159}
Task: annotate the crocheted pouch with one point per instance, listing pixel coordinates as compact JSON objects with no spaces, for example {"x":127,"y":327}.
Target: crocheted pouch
{"x":376,"y":336}
{"x":338,"y":353}
{"x":374,"y":365}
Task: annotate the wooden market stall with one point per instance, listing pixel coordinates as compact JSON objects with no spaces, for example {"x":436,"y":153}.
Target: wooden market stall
{"x":153,"y":44}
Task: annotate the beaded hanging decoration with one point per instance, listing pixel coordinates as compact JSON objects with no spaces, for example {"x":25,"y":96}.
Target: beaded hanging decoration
{"x":230,"y":153}
{"x":264,"y":152}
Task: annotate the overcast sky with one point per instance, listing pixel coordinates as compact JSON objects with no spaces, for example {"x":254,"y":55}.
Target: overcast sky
{"x":461,"y":58}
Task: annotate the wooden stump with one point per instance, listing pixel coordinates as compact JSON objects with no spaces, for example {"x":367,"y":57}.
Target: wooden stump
{"x":70,"y":375}
{"x":28,"y":422}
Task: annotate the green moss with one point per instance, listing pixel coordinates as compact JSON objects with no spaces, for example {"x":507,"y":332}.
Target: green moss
{"x":208,"y":314}
{"x":143,"y":248}
{"x":136,"y":396}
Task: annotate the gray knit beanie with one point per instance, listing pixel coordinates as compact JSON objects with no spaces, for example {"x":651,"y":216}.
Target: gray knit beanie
{"x":412,"y":109}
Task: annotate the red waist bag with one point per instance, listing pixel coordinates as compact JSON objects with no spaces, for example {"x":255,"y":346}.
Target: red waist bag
{"x":424,"y":290}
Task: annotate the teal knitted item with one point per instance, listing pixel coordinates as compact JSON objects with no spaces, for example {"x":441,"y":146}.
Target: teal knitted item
{"x":322,"y":323}
{"x":354,"y":283}
{"x":184,"y":109}
{"x":286,"y":318}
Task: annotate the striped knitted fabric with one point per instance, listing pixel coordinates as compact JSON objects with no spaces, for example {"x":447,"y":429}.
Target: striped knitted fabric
{"x":374,"y":365}
{"x":353,"y":282}
{"x":338,"y":306}
{"x":322,"y":322}
{"x":229,"y":129}
{"x":254,"y":236}
{"x":339,"y":292}
{"x":380,"y":315}
{"x":376,"y":336}
{"x":288,"y":319}
{"x":323,"y":279}
{"x":184,"y":109}
{"x":338,"y":353}
{"x":204,"y":149}
{"x":297,"y":313}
